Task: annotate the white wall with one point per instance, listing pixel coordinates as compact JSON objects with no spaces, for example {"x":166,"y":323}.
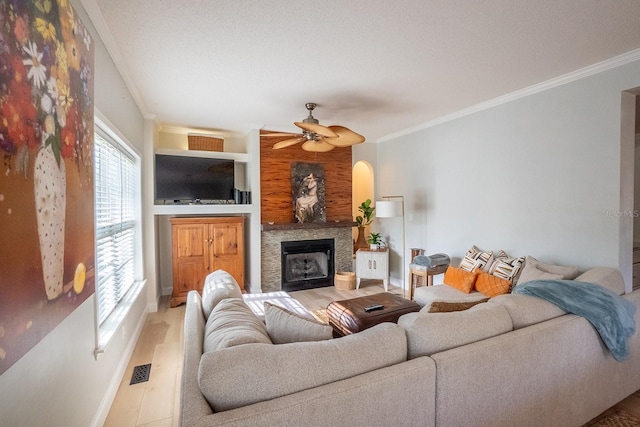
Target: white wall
{"x":59,"y":382}
{"x":539,"y":176}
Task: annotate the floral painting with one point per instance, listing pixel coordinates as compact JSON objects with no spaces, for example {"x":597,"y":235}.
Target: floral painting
{"x":307,"y":183}
{"x":46,"y":173}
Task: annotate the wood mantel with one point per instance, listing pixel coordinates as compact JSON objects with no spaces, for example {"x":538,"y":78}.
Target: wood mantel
{"x":307,"y":225}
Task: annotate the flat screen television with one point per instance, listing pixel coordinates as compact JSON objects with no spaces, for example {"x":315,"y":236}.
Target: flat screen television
{"x":186,"y":179}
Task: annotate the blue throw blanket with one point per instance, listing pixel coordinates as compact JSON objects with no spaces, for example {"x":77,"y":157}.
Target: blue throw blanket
{"x":609,"y":313}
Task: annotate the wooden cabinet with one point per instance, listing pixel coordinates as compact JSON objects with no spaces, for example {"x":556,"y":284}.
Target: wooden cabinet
{"x":201,"y":246}
{"x":372,"y":264}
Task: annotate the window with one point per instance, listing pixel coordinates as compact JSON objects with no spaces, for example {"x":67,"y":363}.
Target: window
{"x":117,"y":189}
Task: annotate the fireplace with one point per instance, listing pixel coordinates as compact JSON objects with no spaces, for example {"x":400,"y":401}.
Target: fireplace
{"x":273,"y":235}
{"x":307,"y":264}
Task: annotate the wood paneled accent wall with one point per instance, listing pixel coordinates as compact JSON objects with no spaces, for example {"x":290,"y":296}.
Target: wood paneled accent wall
{"x":275,"y":181}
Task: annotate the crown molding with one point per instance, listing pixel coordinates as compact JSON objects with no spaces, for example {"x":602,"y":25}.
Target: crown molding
{"x":590,"y":70}
{"x":99,"y":23}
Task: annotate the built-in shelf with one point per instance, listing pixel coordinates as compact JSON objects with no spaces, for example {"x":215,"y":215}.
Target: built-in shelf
{"x":204,"y":209}
{"x":238,"y":157}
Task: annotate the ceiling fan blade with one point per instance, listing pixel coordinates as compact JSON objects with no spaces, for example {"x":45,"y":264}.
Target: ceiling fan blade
{"x":319,"y":129}
{"x":287,"y":143}
{"x":317,"y":146}
{"x":346,"y":137}
{"x":278,"y":134}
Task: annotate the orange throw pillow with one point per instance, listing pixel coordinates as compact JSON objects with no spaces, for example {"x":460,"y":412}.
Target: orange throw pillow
{"x":491,"y":285}
{"x":460,"y":279}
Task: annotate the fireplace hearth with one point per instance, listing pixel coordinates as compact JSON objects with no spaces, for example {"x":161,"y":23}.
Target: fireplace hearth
{"x":307,"y":264}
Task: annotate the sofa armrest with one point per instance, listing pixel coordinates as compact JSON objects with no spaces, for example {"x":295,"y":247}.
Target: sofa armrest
{"x":192,"y":402}
{"x":398,"y":395}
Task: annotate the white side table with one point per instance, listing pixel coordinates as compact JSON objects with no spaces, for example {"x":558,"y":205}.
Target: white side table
{"x":372,"y":264}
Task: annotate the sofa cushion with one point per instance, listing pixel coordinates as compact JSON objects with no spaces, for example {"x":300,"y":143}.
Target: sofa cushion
{"x":425,"y":295}
{"x":610,"y":278}
{"x":232,"y":323}
{"x":429,"y":333}
{"x":284,"y":326}
{"x":459,"y":279}
{"x":567,"y":272}
{"x":280,"y":298}
{"x":446,"y":307}
{"x":531,"y":272}
{"x":218,"y":286}
{"x":243,"y":375}
{"x":526,"y":310}
{"x":491,"y":285}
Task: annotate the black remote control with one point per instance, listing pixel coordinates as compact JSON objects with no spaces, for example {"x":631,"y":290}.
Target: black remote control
{"x":374,"y":307}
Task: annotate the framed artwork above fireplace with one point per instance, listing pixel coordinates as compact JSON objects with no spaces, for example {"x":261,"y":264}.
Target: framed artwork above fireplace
{"x":307,"y":184}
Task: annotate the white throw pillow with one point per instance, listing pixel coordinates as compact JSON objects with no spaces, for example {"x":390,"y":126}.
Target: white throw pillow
{"x":531,"y":272}
{"x":284,"y":326}
{"x":218,"y":286}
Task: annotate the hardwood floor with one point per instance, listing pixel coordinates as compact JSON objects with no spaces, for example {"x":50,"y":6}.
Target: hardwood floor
{"x":155,"y":403}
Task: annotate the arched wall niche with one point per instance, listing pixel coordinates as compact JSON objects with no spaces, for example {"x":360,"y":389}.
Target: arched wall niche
{"x":363,"y":188}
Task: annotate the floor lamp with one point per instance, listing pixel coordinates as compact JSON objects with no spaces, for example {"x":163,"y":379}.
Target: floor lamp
{"x":393,"y":207}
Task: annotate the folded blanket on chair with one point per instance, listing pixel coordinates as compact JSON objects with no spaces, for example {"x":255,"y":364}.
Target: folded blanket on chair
{"x":434,"y":260}
{"x":609,"y":313}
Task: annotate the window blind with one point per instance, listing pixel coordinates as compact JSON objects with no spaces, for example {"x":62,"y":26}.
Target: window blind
{"x":115,"y":190}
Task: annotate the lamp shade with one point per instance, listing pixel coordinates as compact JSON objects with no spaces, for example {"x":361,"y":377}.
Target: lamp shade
{"x":388,"y":209}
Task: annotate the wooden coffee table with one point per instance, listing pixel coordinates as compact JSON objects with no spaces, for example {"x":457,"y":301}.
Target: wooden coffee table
{"x":349,"y":316}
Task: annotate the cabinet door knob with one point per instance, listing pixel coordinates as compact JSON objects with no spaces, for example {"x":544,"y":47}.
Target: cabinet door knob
{"x":369,"y":264}
{"x":374,"y":265}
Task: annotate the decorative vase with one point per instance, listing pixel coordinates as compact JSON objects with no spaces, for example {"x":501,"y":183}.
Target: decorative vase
{"x":361,"y":242}
{"x":50,"y":190}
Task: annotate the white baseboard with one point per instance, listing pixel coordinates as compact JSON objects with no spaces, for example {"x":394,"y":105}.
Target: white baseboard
{"x":118,"y":374}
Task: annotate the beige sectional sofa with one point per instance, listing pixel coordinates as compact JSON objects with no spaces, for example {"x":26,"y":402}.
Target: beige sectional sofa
{"x":514,"y":360}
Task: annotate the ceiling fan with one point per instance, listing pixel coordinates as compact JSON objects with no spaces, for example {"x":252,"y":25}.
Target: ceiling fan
{"x":316,"y":137}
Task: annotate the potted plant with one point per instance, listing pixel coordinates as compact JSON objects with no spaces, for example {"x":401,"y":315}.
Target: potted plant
{"x":374,"y":240}
{"x":367,"y":213}
{"x":363,"y":220}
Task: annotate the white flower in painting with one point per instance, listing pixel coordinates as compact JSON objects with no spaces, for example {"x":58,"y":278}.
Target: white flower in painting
{"x":87,"y":39}
{"x":52,"y":88}
{"x":46,"y":103}
{"x":37,"y":72}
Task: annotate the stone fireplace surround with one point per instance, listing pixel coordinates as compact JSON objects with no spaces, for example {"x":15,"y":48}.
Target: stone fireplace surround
{"x":274,"y":234}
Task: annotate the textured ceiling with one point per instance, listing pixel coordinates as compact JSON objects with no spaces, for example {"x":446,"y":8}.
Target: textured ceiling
{"x":377,"y":67}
